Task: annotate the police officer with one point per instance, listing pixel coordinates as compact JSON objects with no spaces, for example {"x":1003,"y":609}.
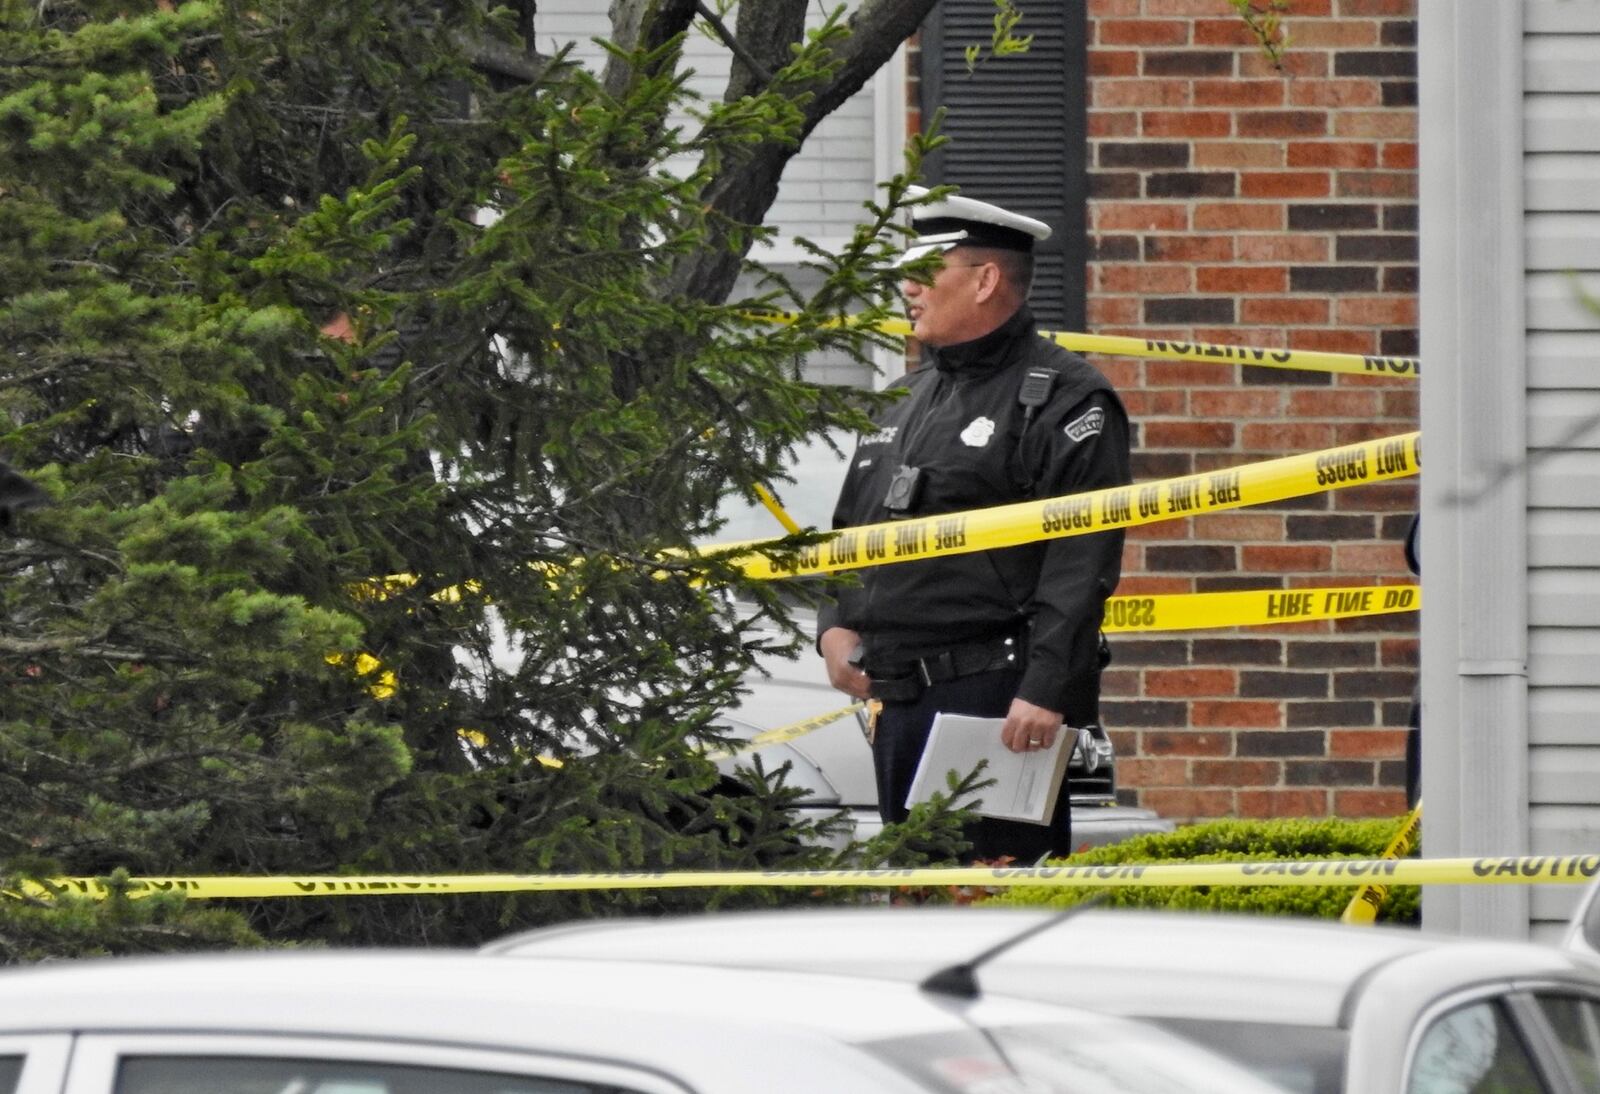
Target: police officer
{"x":994,"y":414}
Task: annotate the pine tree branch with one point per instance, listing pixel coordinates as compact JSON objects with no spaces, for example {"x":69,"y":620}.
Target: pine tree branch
{"x":652,"y":563}
{"x":126,"y":770}
{"x":644,"y":25}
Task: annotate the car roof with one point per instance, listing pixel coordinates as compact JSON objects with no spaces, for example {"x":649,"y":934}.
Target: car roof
{"x":708,"y":1028}
{"x":471,"y":997}
{"x":1141,"y":963}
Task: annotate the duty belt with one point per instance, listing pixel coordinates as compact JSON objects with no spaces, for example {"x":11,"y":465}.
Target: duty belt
{"x":903,"y":681}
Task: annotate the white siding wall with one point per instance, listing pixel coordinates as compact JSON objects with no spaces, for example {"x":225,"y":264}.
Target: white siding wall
{"x":1561,"y":66}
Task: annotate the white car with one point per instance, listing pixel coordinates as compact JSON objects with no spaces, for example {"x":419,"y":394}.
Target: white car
{"x":443,"y":1023}
{"x":1307,"y":1006}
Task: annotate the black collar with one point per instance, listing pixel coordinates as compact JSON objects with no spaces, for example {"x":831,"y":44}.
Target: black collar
{"x":987,"y":352}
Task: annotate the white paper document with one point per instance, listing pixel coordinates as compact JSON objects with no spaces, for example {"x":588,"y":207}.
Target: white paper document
{"x":1025,"y":783}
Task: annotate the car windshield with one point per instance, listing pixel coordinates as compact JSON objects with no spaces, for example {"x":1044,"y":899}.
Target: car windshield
{"x":1303,"y":1059}
{"x":1098,"y":1056}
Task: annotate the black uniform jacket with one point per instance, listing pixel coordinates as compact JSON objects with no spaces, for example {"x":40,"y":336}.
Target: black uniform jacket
{"x":962,"y":425}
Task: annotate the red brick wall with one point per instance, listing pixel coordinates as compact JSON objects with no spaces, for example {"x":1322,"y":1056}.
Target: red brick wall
{"x":1236,"y":203}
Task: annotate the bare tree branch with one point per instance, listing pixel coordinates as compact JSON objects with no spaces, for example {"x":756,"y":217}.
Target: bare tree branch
{"x":769,"y":30}
{"x":503,"y":60}
{"x":85,"y":645}
{"x":17,"y":379}
{"x":27,"y":647}
{"x":877,"y":29}
{"x":527,"y":11}
{"x":728,"y":39}
{"x":745,"y":192}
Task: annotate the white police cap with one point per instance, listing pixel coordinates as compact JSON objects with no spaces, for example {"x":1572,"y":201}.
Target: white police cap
{"x":956,"y":220}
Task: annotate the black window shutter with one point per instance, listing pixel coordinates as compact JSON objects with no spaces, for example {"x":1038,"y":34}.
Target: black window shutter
{"x":1017,"y":130}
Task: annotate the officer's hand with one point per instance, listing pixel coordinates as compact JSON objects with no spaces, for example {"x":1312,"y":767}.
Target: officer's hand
{"x":837,"y":645}
{"x":1029,"y":727}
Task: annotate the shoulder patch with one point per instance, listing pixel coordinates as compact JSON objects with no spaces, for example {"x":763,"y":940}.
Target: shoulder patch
{"x":1086,"y":425}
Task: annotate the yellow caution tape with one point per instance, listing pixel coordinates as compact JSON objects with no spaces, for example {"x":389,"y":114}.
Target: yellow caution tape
{"x":383,"y":686}
{"x":1511,"y":870}
{"x":767,"y":737}
{"x":382,"y":588}
{"x":478,"y":739}
{"x":1174,"y":350}
{"x":1172,"y":612}
{"x":1097,"y":510}
{"x":1124,"y":615}
{"x":1189,"y":611}
{"x":1215,"y":353}
{"x":777,"y":510}
{"x":1079,"y":514}
{"x":785,"y":733}
{"x":1364,"y":906}
{"x":1199,"y":611}
{"x":386,"y":683}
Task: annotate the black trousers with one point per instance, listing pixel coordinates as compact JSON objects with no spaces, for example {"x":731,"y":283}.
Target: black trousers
{"x":897,"y":747}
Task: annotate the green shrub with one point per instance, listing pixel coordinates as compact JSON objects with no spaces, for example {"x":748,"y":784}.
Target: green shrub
{"x":1239,"y":841}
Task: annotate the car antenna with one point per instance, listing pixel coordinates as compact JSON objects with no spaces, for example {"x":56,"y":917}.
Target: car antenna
{"x":960,"y":981}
